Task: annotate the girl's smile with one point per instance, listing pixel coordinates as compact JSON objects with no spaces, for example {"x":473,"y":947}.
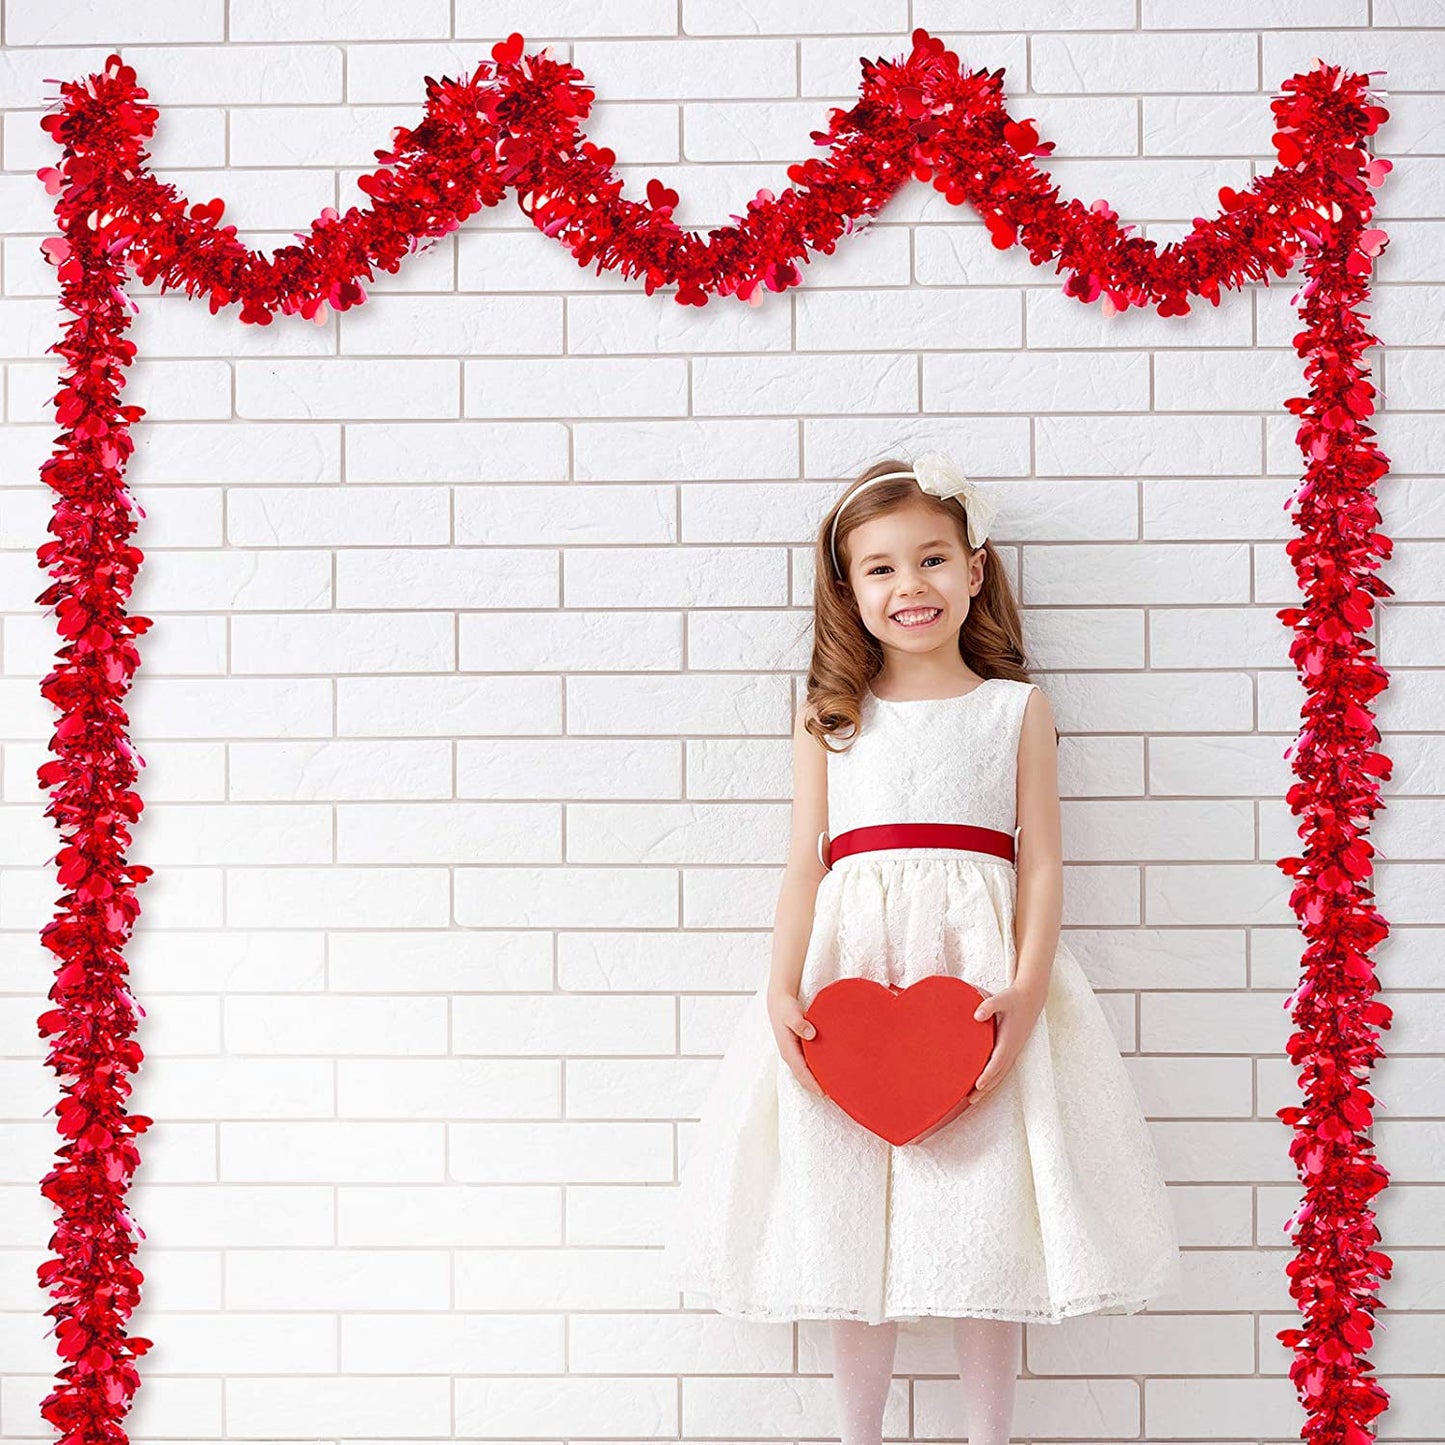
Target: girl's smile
{"x":915,"y":619}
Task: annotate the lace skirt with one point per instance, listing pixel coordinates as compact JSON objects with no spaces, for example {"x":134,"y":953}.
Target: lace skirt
{"x":1044,"y":1199}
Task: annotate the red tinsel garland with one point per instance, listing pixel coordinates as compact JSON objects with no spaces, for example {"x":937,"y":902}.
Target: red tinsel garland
{"x":514,"y":125}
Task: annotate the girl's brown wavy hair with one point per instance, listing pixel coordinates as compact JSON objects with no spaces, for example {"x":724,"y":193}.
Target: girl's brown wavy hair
{"x":846,"y":656}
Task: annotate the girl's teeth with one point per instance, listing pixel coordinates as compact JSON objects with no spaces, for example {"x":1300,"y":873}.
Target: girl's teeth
{"x":925,"y":614}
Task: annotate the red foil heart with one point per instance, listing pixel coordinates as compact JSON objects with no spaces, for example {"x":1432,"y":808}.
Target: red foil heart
{"x":901,"y":1061}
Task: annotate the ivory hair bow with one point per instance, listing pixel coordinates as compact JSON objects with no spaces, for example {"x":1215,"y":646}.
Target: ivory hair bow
{"x":940,"y":475}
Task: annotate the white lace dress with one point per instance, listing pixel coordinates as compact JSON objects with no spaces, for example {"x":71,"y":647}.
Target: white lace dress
{"x":1044,"y":1199}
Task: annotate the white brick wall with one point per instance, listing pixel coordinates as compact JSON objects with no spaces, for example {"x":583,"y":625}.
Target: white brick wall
{"x":479,"y":617}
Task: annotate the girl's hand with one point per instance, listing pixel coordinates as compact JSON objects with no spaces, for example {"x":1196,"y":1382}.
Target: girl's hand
{"x":1018,"y":1010}
{"x":789,"y":1028}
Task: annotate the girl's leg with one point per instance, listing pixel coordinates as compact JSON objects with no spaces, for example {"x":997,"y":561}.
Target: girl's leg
{"x":988,"y":1364}
{"x":862,"y":1368}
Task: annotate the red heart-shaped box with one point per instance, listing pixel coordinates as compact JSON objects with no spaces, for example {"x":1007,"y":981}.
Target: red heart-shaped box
{"x":901,"y":1061}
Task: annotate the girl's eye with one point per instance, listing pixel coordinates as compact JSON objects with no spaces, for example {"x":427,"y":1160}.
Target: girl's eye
{"x":873,"y":571}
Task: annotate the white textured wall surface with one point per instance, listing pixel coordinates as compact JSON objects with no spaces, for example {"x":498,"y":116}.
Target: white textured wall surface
{"x":480,"y":614}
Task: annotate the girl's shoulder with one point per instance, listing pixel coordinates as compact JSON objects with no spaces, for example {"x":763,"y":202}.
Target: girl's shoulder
{"x":1012,"y":692}
{"x":1023,"y":688}
{"x":1044,"y":710}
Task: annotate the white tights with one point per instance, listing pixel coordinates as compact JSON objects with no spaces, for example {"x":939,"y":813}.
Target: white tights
{"x":988,"y":1365}
{"x":862,"y":1368}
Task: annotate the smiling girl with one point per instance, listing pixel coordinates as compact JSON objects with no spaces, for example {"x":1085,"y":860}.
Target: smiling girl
{"x":1044,"y":1198}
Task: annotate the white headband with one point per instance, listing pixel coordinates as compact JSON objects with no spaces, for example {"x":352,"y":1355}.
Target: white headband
{"x":936,"y":474}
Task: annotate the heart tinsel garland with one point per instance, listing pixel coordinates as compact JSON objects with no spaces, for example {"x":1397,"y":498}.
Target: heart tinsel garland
{"x":514,"y":125}
{"x":1338,"y":547}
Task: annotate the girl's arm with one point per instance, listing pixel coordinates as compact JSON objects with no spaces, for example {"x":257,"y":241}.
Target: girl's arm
{"x":1038,"y":906}
{"x":793,"y":918}
{"x":1038,"y":910}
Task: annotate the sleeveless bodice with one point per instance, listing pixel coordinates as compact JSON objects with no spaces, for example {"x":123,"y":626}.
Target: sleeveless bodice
{"x":932,"y":760}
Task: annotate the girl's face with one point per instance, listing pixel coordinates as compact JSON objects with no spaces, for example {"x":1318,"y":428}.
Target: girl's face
{"x":913,"y":577}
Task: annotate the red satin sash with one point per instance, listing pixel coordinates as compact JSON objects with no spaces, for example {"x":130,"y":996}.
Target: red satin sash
{"x":921,"y":835}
